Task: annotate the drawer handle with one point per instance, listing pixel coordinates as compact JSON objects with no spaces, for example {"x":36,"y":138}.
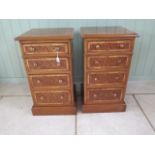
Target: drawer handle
{"x":41,"y":98}
{"x":60,"y":81}
{"x":38,"y":81}
{"x":121,"y":46}
{"x":119,"y":60}
{"x":97,"y":46}
{"x":95,"y":78}
{"x":61,"y":97}
{"x":32,"y":49}
{"x":94,"y":95}
{"x":96,"y":62}
{"x":56,"y":49}
{"x":115,"y":94}
{"x":117,"y":77}
{"x":35,"y":64}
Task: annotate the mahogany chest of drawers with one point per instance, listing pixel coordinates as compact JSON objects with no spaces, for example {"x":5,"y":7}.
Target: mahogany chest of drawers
{"x":47,"y":55}
{"x":107,"y":58}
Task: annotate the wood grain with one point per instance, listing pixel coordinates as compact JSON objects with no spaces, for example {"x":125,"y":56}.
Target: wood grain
{"x":107,"y":58}
{"x":50,"y":82}
{"x":47,"y":34}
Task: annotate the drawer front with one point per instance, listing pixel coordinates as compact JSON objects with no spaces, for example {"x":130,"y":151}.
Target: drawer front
{"x":52,"y":98}
{"x":46,"y":48}
{"x":106,"y":78}
{"x":105,"y":46}
{"x":104,"y":95}
{"x":46,"y":65}
{"x":50,"y":81}
{"x":102,"y":62}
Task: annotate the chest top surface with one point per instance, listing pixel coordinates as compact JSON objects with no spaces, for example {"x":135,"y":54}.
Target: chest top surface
{"x":46,"y":33}
{"x":99,"y":32}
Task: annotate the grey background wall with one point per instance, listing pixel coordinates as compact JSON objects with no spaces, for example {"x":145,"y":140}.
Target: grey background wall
{"x":11,"y":65}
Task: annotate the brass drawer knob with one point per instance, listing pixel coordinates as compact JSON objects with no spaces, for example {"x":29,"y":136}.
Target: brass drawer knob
{"x":60,"y":81}
{"x":32,"y":49}
{"x":95,"y":78}
{"x":41,"y":98}
{"x":115,"y":94}
{"x":121,"y":46}
{"x":56,"y":49}
{"x":61,"y":97}
{"x":96,"y":62}
{"x":38,"y":81}
{"x":117,"y":77}
{"x":94,"y":95}
{"x":119,"y":60}
{"x":97,"y":46}
{"x":35,"y":64}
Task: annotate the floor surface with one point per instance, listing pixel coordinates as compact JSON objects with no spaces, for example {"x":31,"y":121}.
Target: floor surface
{"x":16,"y":117}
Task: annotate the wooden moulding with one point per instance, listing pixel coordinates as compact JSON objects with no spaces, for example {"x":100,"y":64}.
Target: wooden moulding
{"x":109,"y":107}
{"x":63,"y":110}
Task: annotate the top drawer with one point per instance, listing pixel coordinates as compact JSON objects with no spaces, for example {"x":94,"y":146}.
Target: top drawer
{"x":101,"y":46}
{"x":46,"y":48}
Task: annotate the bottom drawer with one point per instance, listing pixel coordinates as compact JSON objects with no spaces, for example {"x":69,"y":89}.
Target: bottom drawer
{"x":50,"y":81}
{"x":103,"y":95}
{"x":52,"y":98}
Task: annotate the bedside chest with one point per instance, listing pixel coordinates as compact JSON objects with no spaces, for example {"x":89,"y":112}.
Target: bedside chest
{"x":47,"y":55}
{"x":107,"y":58}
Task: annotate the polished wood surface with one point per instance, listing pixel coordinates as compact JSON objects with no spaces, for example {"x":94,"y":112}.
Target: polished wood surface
{"x":50,"y":80}
{"x":46,"y":49}
{"x":115,"y":31}
{"x":107,"y":58}
{"x":53,"y":81}
{"x":47,"y":33}
{"x":95,"y":78}
{"x":47,"y":65}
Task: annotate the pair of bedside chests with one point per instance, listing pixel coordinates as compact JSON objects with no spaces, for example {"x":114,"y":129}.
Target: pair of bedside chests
{"x":47,"y":55}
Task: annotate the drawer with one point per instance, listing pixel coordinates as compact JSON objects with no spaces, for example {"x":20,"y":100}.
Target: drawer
{"x":109,"y":95}
{"x":46,"y":49}
{"x":101,"y":46}
{"x":52,"y":98}
{"x":105,"y":62}
{"x":50,"y":81}
{"x":46,"y":65}
{"x":106,"y":78}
